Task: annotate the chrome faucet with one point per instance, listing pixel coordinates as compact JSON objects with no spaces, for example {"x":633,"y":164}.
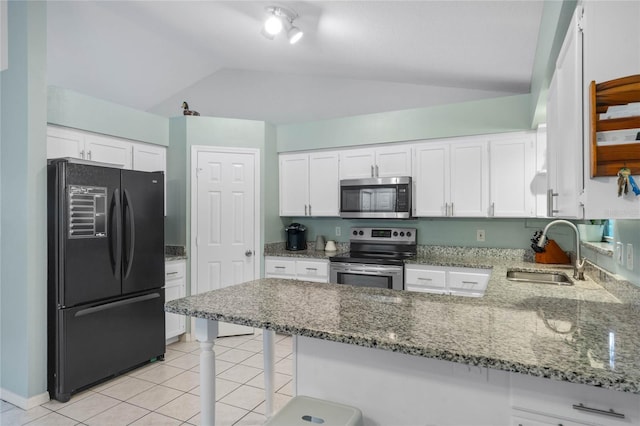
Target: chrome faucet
{"x":578,"y":268}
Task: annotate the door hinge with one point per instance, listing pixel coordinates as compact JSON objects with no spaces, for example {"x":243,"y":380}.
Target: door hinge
{"x":197,"y":241}
{"x":581,"y":20}
{"x":198,"y":170}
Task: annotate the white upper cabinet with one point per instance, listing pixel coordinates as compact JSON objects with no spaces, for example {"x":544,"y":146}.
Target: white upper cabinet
{"x":324,"y":184}
{"x":108,"y":150}
{"x":451,"y":179}
{"x":512,"y":173}
{"x":149,"y":158}
{"x":294,"y":184}
{"x":564,"y":127}
{"x":469,"y":179}
{"x":73,"y":143}
{"x":62,"y":143}
{"x":432,"y":187}
{"x":309,"y":184}
{"x":387,"y":161}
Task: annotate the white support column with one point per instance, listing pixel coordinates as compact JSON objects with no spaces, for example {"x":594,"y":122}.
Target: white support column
{"x":206,"y":334}
{"x":269,"y":368}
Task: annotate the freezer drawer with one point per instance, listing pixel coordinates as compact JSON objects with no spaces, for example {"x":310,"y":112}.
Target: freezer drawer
{"x":97,"y":341}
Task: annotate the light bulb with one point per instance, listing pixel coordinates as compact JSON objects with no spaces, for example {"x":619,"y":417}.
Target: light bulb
{"x":294,"y":35}
{"x":273,"y":25}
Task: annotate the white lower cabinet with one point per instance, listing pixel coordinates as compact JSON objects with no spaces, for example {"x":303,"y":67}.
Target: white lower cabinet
{"x":538,"y":401}
{"x":446,"y":280}
{"x":316,"y":270}
{"x":175,"y":287}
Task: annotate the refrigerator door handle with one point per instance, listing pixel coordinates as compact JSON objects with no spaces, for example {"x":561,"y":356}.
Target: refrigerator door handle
{"x":131,"y":243}
{"x":112,"y":305}
{"x":115,"y":235}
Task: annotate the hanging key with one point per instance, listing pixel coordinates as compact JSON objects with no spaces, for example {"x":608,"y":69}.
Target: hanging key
{"x":623,"y":181}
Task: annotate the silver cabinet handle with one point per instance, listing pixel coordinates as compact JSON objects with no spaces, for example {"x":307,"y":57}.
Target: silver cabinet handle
{"x":610,"y":413}
{"x":372,"y":174}
{"x":279,"y":267}
{"x":469,"y":282}
{"x":312,"y":269}
{"x":309,"y":209}
{"x":172,"y":273}
{"x":89,"y":155}
{"x":493,"y":208}
{"x":377,"y":171}
{"x":248,"y":253}
{"x":550,"y":195}
{"x":305,"y":210}
{"x":425,"y":279}
{"x":446,"y":209}
{"x":82,"y":154}
{"x":452,"y":208}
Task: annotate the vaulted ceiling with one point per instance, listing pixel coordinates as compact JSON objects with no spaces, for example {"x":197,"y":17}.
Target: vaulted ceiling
{"x":356,"y":57}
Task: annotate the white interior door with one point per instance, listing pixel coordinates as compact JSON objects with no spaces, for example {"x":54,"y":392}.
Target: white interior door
{"x":225,"y":224}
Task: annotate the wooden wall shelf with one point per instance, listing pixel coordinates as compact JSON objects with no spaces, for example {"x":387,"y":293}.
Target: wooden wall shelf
{"x":607,"y":160}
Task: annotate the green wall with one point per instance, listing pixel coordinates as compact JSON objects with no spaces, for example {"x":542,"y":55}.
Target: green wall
{"x":498,"y":115}
{"x":71,"y":109}
{"x":23,"y":284}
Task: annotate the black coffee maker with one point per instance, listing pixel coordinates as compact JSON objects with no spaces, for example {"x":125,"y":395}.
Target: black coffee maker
{"x":296,"y":237}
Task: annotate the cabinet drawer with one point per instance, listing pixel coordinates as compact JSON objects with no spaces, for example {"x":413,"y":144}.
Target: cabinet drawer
{"x":174,"y":270}
{"x":280,"y":267}
{"x":306,"y":268}
{"x":424,"y":278}
{"x":472,"y":282}
{"x":557,"y":399}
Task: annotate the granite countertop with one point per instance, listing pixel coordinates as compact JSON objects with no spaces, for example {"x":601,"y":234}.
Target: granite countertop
{"x":279,"y":250}
{"x":173,"y":252}
{"x":580,"y":333}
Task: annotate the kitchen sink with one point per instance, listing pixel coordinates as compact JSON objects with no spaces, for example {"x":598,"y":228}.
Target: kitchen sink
{"x":557,"y":278}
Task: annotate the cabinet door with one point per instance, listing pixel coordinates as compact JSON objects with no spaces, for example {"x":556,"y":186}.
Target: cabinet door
{"x":324,"y":184}
{"x":469,"y":176}
{"x":108,"y":150}
{"x":431,"y":180}
{"x":64,"y":143}
{"x":393,"y":161}
{"x":175,"y":288}
{"x":149,"y":158}
{"x":512,"y":170}
{"x":294,"y":184}
{"x":468,"y":282}
{"x":564,"y":137}
{"x":357,"y":164}
{"x":175,"y":324}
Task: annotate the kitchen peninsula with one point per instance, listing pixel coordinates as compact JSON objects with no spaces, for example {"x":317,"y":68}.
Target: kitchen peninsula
{"x":400,"y":356}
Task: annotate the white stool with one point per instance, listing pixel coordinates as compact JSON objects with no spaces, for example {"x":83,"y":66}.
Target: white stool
{"x":307,"y":411}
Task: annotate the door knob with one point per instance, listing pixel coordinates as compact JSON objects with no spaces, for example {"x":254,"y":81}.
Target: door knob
{"x":248,"y":253}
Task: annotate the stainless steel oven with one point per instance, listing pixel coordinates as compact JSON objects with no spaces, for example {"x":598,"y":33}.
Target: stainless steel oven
{"x":376,"y":258}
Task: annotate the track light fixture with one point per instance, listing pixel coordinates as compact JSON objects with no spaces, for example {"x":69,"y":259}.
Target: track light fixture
{"x":278,"y":19}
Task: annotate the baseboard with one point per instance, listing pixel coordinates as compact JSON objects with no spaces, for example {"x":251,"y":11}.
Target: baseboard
{"x":21,"y":401}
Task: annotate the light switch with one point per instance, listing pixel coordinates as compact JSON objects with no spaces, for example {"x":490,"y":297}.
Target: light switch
{"x":630,"y":257}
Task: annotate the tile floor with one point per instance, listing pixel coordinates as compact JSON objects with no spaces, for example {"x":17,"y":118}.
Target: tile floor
{"x":167,"y":393}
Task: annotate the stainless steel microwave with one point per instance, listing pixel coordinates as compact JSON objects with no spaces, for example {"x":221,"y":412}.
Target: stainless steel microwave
{"x":376,"y":198}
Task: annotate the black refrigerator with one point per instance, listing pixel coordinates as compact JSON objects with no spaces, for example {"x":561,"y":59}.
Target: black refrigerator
{"x":105,"y":298}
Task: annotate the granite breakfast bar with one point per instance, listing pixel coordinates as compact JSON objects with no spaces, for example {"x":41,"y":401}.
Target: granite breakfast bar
{"x":579,"y":334}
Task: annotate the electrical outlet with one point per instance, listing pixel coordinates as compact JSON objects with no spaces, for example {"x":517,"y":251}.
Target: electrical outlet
{"x":480,"y":235}
{"x":630,"y":257}
{"x":338,"y":231}
{"x":618,"y":253}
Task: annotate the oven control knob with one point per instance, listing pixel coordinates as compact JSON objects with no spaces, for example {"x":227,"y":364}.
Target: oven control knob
{"x":355,"y":232}
{"x":361,"y":233}
{"x":402,"y":234}
{"x":395,"y":233}
{"x":408,"y":234}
